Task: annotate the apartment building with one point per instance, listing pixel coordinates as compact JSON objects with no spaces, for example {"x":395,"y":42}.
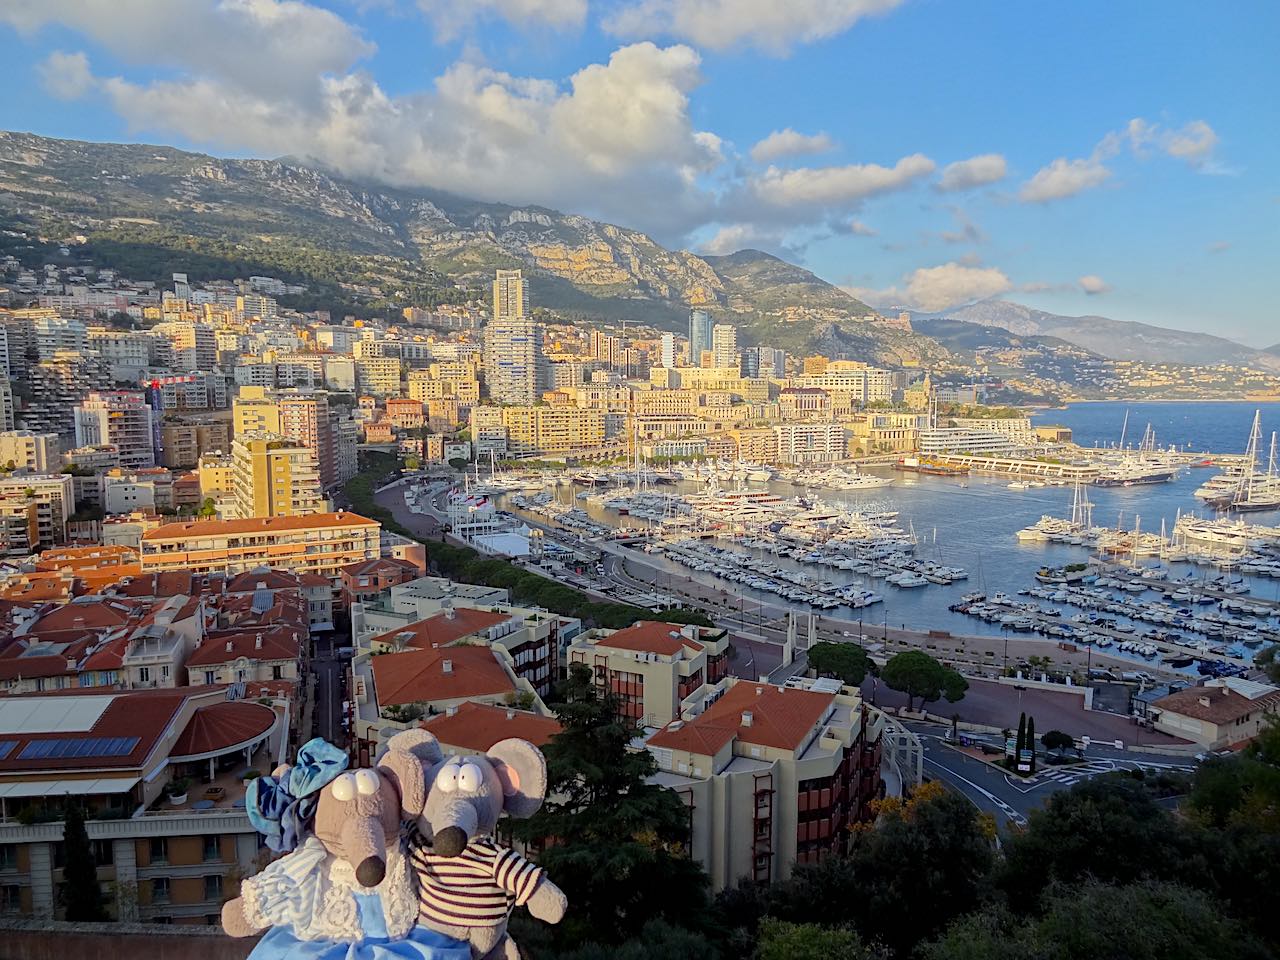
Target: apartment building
{"x":121,"y":418}
{"x":54,"y":496}
{"x":163,"y":857}
{"x":34,"y":452}
{"x":659,"y":671}
{"x":273,"y":653}
{"x":532,"y":429}
{"x":274,"y":477}
{"x":184,"y":441}
{"x":19,"y":526}
{"x":772,"y":776}
{"x":810,"y":442}
{"x":57,"y":386}
{"x":379,"y":376}
{"x":320,"y":543}
{"x":406,"y":414}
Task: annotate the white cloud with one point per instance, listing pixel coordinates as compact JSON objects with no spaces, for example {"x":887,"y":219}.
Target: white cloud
{"x":974,"y":172}
{"x":822,"y":186}
{"x":450,"y":16}
{"x":1063,"y":178}
{"x":932,"y":289}
{"x":741,"y":236}
{"x":66,"y":75}
{"x":614,"y":136}
{"x":1092,"y":284}
{"x":768,"y":25}
{"x":789,"y":143}
{"x":859,"y":229}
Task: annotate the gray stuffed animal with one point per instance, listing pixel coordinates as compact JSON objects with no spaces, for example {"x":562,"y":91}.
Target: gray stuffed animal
{"x":468,"y":884}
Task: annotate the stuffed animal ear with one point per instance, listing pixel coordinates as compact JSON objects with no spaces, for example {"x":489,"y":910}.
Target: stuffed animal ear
{"x":408,"y":760}
{"x":522,"y":770}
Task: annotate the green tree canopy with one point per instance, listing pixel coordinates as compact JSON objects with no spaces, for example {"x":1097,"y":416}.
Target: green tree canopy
{"x":919,"y":675}
{"x":1139,"y":921}
{"x":1057,"y":740}
{"x":780,"y":940}
{"x":844,"y":661}
{"x":618,"y":850}
{"x":1108,"y":828}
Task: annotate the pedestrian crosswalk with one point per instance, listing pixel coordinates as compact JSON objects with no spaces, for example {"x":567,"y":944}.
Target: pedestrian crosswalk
{"x":1076,"y":771}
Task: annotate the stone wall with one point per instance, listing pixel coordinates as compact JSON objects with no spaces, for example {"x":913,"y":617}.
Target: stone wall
{"x":55,"y":940}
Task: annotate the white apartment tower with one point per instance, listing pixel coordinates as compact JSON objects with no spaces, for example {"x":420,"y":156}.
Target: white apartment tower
{"x":514,"y":366}
{"x":121,"y":418}
{"x":668,"y":350}
{"x":724,"y":345}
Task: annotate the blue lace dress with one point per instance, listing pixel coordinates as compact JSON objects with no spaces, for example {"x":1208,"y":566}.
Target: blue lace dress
{"x":317,"y":910}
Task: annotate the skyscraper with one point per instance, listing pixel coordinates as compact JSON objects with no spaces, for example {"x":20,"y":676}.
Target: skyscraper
{"x":515,"y":368}
{"x":699,"y":335}
{"x":510,"y":295}
{"x":724,"y":345}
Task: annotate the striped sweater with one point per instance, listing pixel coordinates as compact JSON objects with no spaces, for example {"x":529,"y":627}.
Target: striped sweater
{"x":478,"y":888}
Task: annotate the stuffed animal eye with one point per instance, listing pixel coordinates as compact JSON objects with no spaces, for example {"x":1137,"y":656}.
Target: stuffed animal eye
{"x":448,"y":779}
{"x":469,"y":778}
{"x":367,"y":783}
{"x":344,"y":788}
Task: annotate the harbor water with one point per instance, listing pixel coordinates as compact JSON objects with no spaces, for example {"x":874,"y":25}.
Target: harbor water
{"x":971,"y":522}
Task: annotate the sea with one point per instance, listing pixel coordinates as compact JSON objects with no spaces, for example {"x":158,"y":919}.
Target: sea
{"x":971,"y":522}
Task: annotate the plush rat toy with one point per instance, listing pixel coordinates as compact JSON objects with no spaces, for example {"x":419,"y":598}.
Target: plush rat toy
{"x":468,"y":884}
{"x":345,"y":889}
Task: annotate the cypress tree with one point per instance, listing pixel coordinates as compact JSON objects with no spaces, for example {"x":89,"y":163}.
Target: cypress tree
{"x":1031,"y":741}
{"x":82,"y":894}
{"x":1020,"y":744}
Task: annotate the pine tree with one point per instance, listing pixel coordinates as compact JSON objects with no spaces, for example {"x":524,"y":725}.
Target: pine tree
{"x":1020,"y":743}
{"x":82,"y":894}
{"x":615,"y":842}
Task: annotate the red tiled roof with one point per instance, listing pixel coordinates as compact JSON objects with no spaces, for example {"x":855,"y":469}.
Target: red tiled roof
{"x":278,"y":643}
{"x":44,"y":665}
{"x":478,"y":726}
{"x":780,"y":718}
{"x":222,"y":528}
{"x":367,"y":568}
{"x":98,"y":615}
{"x":419,"y":675}
{"x":266,"y":579}
{"x":441,"y":629}
{"x":221,"y":726}
{"x":144,"y":714}
{"x":650,"y":636}
{"x":1221,"y":704}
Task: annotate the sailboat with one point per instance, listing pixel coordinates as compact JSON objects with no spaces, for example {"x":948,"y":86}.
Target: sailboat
{"x":1253,"y":491}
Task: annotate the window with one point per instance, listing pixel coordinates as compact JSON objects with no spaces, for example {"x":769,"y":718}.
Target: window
{"x":164,"y":671}
{"x":11,"y":898}
{"x":210,"y":677}
{"x":277,"y":672}
{"x":212,"y":849}
{"x":162,"y":920}
{"x":213,"y":886}
{"x":103,"y":852}
{"x":8,"y":856}
{"x":159,"y":850}
{"x":144,"y":674}
{"x":159,"y":889}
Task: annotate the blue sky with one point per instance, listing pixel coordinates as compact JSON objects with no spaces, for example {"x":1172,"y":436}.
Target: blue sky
{"x":1098,"y":157}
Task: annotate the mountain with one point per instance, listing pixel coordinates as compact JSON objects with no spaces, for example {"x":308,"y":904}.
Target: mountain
{"x":1117,"y":339}
{"x":152,"y":210}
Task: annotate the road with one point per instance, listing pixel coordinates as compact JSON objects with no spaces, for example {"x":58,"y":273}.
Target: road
{"x":330,"y":672}
{"x":1011,"y":799}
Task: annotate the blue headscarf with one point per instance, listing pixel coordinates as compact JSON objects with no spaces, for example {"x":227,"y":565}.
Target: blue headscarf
{"x":283,"y":808}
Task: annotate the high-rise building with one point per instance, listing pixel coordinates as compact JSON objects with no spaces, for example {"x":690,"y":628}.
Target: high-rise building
{"x":699,"y":335}
{"x":514,"y":364}
{"x":274,"y":477}
{"x":6,"y":405}
{"x":510,"y":295}
{"x":668,"y":350}
{"x":120,"y":418}
{"x":56,"y":333}
{"x":304,"y":418}
{"x":724,"y":345}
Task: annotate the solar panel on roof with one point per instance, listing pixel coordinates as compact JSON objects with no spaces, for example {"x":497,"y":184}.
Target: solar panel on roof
{"x":84,"y":747}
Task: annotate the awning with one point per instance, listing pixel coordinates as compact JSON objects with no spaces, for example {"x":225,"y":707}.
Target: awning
{"x":62,"y":788}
